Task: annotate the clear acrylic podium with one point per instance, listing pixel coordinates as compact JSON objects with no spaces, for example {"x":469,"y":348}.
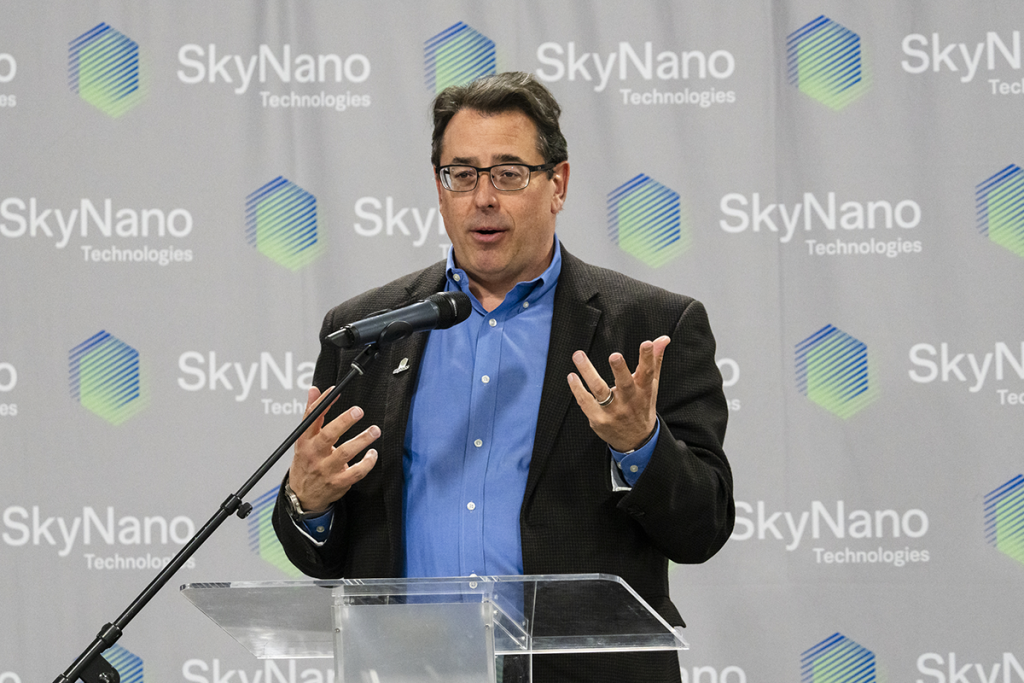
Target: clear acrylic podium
{"x":457,"y":630}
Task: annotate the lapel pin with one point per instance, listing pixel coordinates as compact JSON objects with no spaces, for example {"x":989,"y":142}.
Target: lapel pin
{"x":402,"y":367}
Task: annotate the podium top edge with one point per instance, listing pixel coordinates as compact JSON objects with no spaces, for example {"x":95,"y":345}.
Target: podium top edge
{"x":419,"y":581}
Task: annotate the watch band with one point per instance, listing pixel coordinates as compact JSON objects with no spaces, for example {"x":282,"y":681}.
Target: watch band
{"x":295,"y":510}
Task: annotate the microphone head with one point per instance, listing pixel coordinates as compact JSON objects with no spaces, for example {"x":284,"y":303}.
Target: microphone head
{"x":452,"y":307}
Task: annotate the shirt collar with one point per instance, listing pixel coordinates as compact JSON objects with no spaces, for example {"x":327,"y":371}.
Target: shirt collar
{"x":527,"y":291}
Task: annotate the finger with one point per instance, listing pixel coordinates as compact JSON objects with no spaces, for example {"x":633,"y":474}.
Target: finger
{"x":357,"y":472}
{"x":354,"y":446}
{"x":313,"y":398}
{"x":645,"y":366}
{"x":598,"y":387}
{"x":584,"y":398}
{"x":660,"y":345}
{"x":333,"y":430}
{"x":360,"y":469}
{"x":620,"y":370}
{"x":652,"y":354}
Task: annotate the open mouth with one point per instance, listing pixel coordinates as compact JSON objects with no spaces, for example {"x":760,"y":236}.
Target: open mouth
{"x":488,"y":232}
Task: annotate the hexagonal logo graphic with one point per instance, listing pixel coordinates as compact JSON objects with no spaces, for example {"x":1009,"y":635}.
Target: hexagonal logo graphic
{"x":128,"y":665}
{"x":647,"y":220}
{"x":262,"y":539}
{"x":456,"y":56}
{"x":835,"y":371}
{"x":825,"y":61}
{"x":104,"y":70}
{"x":1000,"y":203}
{"x":837,"y":659}
{"x":1004,"y":518}
{"x":106,"y":378}
{"x":280,"y":221}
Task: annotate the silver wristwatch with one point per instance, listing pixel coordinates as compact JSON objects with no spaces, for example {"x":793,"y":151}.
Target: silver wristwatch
{"x":295,"y":510}
{"x":294,"y":506}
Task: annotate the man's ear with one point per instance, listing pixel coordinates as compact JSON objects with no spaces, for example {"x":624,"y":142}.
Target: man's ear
{"x":437,"y":182}
{"x":560,"y":177}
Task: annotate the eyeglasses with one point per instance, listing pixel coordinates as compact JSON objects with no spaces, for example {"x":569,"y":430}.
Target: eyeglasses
{"x":504,"y":177}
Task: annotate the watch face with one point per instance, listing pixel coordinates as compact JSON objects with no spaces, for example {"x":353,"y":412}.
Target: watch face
{"x":293,"y":500}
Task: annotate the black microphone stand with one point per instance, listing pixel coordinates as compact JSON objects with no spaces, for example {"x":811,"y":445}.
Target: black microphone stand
{"x":90,"y":666}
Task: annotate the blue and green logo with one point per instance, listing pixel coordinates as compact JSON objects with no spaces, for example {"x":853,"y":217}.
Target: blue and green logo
{"x":104,"y":70}
{"x":280,"y":222}
{"x":1000,"y":202}
{"x":837,"y":659}
{"x":456,"y":56}
{"x":262,"y":539}
{"x":647,"y":220}
{"x":1004,"y":518}
{"x":825,"y":61}
{"x":835,"y":371}
{"x":106,"y":377}
{"x":128,"y":665}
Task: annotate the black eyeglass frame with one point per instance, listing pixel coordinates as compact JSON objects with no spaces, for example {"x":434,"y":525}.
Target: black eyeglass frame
{"x":445,"y":178}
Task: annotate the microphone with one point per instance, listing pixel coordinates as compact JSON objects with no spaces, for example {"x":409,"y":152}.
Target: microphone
{"x":438,"y":311}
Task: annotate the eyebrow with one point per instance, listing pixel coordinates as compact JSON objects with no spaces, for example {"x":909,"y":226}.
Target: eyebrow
{"x":500,"y":158}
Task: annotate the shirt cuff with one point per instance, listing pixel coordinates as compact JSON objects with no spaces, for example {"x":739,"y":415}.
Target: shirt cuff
{"x":317,"y":528}
{"x":632,"y":464}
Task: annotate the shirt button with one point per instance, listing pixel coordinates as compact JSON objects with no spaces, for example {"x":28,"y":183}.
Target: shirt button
{"x":634,"y":468}
{"x":492,"y":322}
{"x":485,"y":379}
{"x":457,"y":277}
{"x":471,"y":506}
{"x":478,"y":443}
{"x":320,"y":529}
{"x":526,"y":304}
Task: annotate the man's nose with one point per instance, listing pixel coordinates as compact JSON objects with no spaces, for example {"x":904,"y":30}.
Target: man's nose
{"x":485,"y":194}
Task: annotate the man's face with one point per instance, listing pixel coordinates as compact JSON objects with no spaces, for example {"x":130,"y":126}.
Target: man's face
{"x":500,"y":238}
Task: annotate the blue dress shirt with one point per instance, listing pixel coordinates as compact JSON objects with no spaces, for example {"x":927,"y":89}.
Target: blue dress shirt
{"x":471,"y":429}
{"x":469,"y":438}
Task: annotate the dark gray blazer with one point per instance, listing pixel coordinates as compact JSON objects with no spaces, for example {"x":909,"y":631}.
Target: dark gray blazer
{"x":571,"y":521}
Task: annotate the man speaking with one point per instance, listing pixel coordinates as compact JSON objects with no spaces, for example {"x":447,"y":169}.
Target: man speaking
{"x":572,"y":424}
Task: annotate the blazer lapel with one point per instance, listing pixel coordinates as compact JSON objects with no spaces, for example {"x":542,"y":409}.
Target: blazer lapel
{"x":572,"y":328}
{"x":404,"y":355}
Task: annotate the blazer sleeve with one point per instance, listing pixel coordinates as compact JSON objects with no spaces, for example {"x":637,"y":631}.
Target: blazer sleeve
{"x":327,"y":560}
{"x":684,"y":499}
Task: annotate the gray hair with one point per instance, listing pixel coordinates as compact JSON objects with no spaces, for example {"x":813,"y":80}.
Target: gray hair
{"x":509,"y":91}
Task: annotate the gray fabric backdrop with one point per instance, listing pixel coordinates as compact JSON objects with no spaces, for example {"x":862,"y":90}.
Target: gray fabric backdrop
{"x":836,"y":181}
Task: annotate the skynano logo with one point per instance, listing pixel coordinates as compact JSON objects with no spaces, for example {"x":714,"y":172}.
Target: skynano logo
{"x":646,"y":220}
{"x":1004,"y":518}
{"x":262,"y":539}
{"x":106,"y":377}
{"x":8,"y":67}
{"x":128,"y":665}
{"x":457,"y":56}
{"x":280,"y":221}
{"x":103,"y":69}
{"x":834,"y":370}
{"x":837,"y":659}
{"x":8,"y":70}
{"x":825,"y":61}
{"x":1000,"y":202}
